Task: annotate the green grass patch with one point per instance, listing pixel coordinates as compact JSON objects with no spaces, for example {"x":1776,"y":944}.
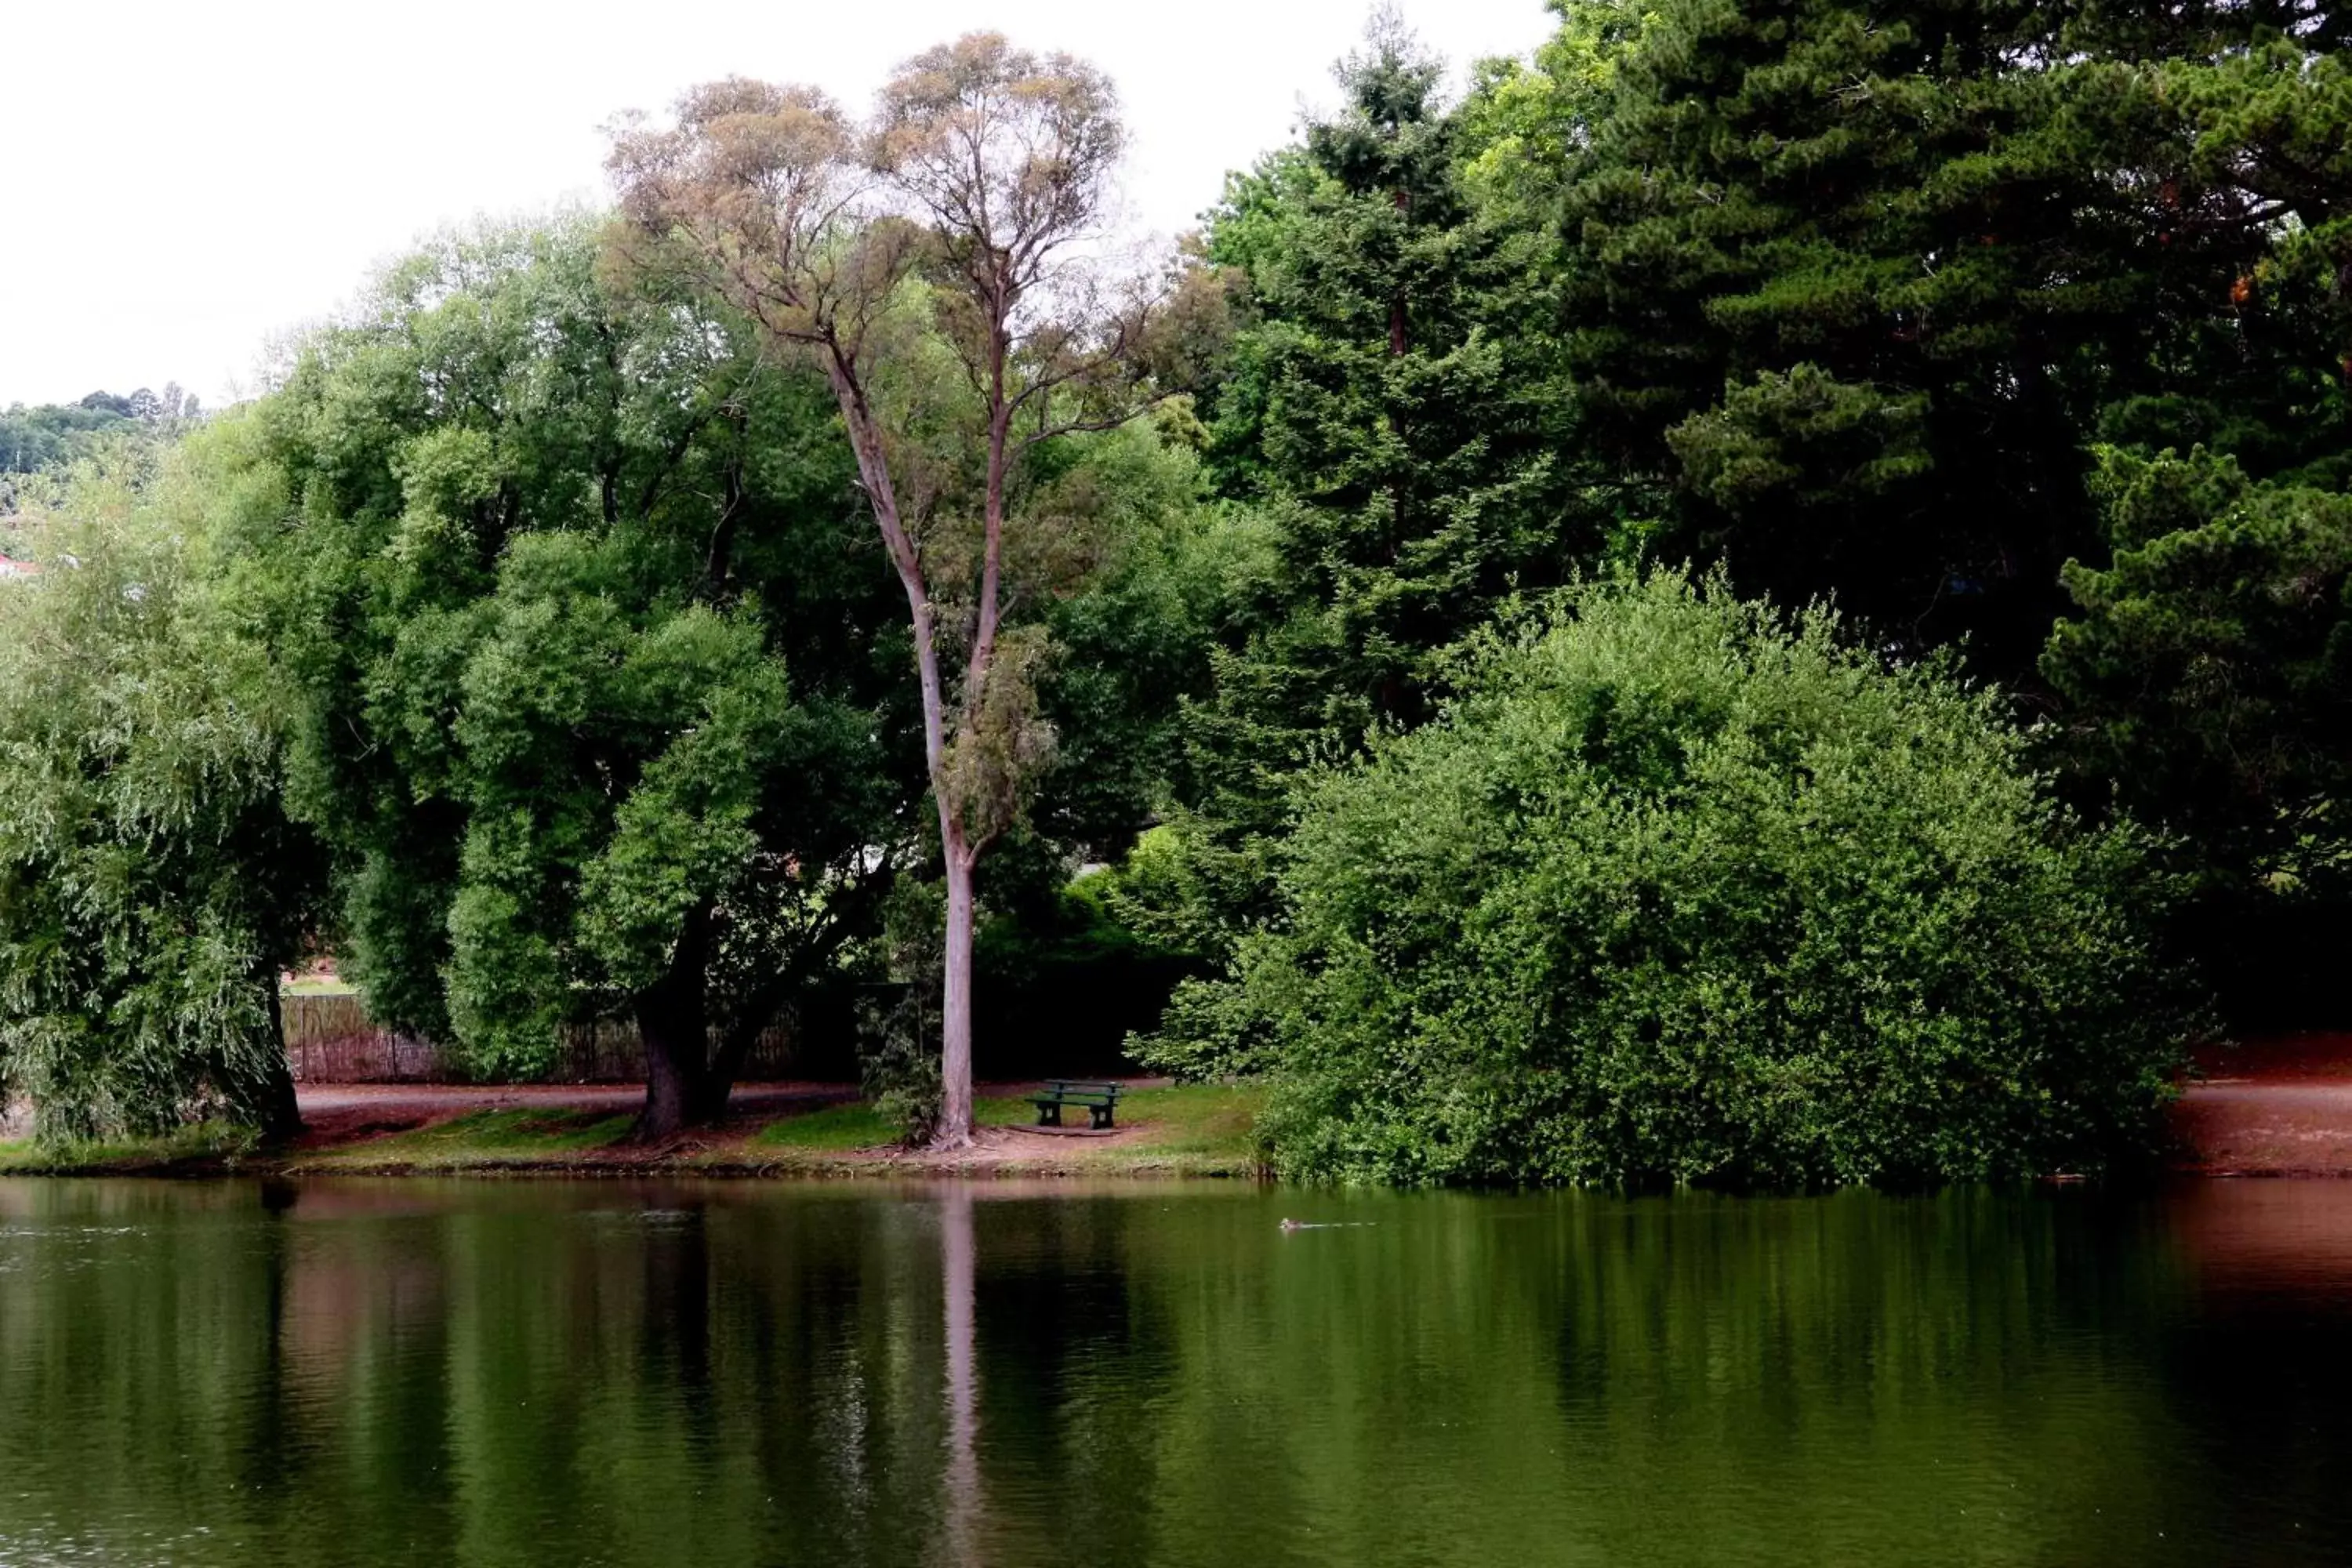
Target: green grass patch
{"x":519,"y":1133}
{"x":1207,"y":1127}
{"x":1219,"y":1120}
{"x":836,"y":1130}
{"x":203,"y":1144}
{"x":986,"y":1112}
{"x":319,"y":988}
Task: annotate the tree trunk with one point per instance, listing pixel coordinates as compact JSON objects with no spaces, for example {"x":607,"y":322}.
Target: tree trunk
{"x":674,"y":1092}
{"x":954,"y":1130}
{"x":281,"y":1113}
{"x":673,"y":1024}
{"x":955,"y":1011}
{"x":961,"y":851}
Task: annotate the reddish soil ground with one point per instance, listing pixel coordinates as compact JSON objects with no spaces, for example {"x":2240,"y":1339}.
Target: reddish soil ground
{"x":342,"y":1115}
{"x":334,"y":1114}
{"x":2270,"y":1107}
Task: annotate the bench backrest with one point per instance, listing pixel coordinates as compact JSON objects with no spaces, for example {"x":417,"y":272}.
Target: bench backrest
{"x":1065,"y":1086}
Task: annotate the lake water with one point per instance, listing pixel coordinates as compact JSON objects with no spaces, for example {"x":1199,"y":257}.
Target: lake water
{"x":601,"y":1373}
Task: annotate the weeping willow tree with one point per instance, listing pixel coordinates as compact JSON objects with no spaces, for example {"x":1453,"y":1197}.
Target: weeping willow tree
{"x":152,"y":890}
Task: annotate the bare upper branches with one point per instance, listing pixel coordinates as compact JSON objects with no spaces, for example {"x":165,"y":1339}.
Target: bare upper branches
{"x":986,"y":172}
{"x":767,"y":187}
{"x":1009,"y":153}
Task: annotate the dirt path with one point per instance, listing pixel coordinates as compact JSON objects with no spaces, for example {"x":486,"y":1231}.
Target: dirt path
{"x":2271,"y":1108}
{"x":998,"y":1148}
{"x":2280,"y":1107}
{"x":342,"y":1115}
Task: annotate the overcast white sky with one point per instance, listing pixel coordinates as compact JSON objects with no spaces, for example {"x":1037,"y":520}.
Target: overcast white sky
{"x":180,"y":183}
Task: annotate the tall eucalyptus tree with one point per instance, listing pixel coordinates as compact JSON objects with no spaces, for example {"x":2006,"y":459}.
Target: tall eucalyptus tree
{"x":943,"y":266}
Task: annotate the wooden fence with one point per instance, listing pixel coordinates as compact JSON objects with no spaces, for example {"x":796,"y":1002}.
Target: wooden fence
{"x":331,"y":1039}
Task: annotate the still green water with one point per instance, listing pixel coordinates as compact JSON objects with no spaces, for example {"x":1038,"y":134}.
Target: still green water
{"x":598,"y":1372}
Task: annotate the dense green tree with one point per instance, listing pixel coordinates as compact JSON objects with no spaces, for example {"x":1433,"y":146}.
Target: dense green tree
{"x":1678,"y":888}
{"x":34,"y":438}
{"x":609,"y":709}
{"x":595,"y":718}
{"x":1140,"y":601}
{"x":1393,"y":407}
{"x":2199,"y":676}
{"x":153,"y":888}
{"x":37,"y":445}
{"x":2207,"y":679}
{"x":1861,"y":282}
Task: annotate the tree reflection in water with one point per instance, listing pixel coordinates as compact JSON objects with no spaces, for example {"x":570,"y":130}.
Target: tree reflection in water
{"x":961,"y":1540}
{"x":411,"y":1375}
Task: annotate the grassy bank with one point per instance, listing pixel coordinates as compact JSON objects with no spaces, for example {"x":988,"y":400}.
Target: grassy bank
{"x":193,"y":1149}
{"x":1185,"y":1131}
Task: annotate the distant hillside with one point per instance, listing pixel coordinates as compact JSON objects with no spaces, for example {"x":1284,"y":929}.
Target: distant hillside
{"x":33,"y":438}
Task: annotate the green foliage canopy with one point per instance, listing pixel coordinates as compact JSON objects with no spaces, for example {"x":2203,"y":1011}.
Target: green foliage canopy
{"x":2206,"y":673}
{"x":151,"y":884}
{"x":1394,"y":410}
{"x":1862,"y":282}
{"x":595,"y":711}
{"x":53,"y":434}
{"x":1680,"y":889}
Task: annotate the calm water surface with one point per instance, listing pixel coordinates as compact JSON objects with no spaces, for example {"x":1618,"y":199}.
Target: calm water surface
{"x":595,"y":1372}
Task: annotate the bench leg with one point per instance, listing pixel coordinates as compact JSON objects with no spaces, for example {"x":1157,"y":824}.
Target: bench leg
{"x":1049,"y":1116}
{"x":1102,"y":1116}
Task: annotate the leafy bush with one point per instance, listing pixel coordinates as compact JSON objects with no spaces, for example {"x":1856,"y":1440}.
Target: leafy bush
{"x":1678,"y":889}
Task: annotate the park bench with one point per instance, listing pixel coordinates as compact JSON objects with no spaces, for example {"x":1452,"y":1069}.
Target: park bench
{"x":1099,"y":1099}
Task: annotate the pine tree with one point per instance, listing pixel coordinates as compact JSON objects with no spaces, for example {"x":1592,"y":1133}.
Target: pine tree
{"x":1394,"y":411}
{"x":1861,"y":280}
{"x":2206,"y":680}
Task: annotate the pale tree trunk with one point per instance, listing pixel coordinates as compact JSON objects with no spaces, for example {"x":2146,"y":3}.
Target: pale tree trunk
{"x":957,"y":847}
{"x":954,"y":1130}
{"x":997,"y":162}
{"x":955,"y":1011}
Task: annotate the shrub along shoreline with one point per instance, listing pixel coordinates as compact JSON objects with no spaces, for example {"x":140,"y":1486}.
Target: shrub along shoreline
{"x":1679,"y":889}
